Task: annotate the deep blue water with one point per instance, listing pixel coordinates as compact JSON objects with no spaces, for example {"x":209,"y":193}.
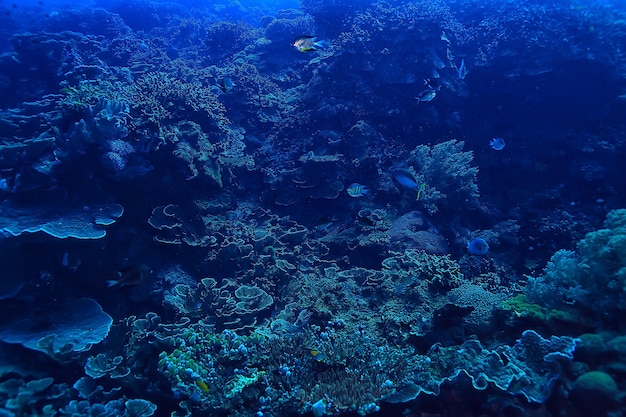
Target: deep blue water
{"x":266,"y":208}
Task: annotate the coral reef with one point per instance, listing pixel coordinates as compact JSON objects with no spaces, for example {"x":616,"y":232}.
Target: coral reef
{"x":448,"y":175}
{"x":592,"y":278}
{"x":198,"y":145}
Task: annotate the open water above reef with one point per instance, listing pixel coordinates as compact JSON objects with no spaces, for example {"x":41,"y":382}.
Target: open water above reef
{"x":317,"y":208}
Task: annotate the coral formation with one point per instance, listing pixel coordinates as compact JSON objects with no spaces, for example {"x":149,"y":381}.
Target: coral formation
{"x":592,"y":278}
{"x":249,"y":279}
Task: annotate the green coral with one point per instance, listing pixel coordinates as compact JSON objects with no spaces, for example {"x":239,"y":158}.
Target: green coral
{"x":521,"y":308}
{"x":209,"y":367}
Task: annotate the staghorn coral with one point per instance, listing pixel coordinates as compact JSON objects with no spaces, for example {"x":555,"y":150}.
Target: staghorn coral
{"x":286,"y":23}
{"x":257,"y":94}
{"x":223,"y":370}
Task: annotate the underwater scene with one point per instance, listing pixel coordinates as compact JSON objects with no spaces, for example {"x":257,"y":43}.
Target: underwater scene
{"x":313,"y":208}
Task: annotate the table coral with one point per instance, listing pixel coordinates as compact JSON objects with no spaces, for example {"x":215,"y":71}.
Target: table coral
{"x":78,"y":325}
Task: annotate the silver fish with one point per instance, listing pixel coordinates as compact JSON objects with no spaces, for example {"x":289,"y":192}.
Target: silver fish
{"x":308,"y":43}
{"x":426,"y":95}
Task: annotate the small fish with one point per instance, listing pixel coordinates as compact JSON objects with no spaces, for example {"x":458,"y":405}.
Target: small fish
{"x":357,"y":190}
{"x":365,"y":221}
{"x":318,"y":356}
{"x":324,"y":223}
{"x":462,"y":70}
{"x":426,"y":95}
{"x":308,"y":43}
{"x":478,"y":246}
{"x":202,"y":385}
{"x":432,"y":84}
{"x":497,"y":143}
{"x":129,"y":277}
{"x":227,"y":84}
{"x":419,"y":190}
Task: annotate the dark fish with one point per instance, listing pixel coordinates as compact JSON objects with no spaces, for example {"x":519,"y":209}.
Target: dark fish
{"x":130,"y":276}
{"x":365,"y":221}
{"x":324,"y":223}
{"x":227,"y":84}
{"x":308,"y":43}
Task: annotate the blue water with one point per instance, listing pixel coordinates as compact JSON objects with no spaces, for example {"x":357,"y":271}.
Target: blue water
{"x":179,"y":233}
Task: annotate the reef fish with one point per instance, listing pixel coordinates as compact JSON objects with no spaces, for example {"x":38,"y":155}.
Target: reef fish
{"x":462,"y":70}
{"x":478,"y":246}
{"x":202,"y":385}
{"x":308,"y":43}
{"x":405,"y":178}
{"x":227,"y":84}
{"x":497,"y":143}
{"x":131,"y":276}
{"x":318,"y":356}
{"x":426,"y":95}
{"x":324,"y":223}
{"x":357,"y":190}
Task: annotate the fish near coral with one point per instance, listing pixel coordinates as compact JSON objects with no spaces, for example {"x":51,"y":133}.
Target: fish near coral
{"x":318,"y":356}
{"x":462,"y":70}
{"x":324,"y":223}
{"x":227,"y":84}
{"x":130,"y":276}
{"x":203,"y":386}
{"x":308,"y":43}
{"x":357,"y":190}
{"x":478,"y":246}
{"x":405,"y":178}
